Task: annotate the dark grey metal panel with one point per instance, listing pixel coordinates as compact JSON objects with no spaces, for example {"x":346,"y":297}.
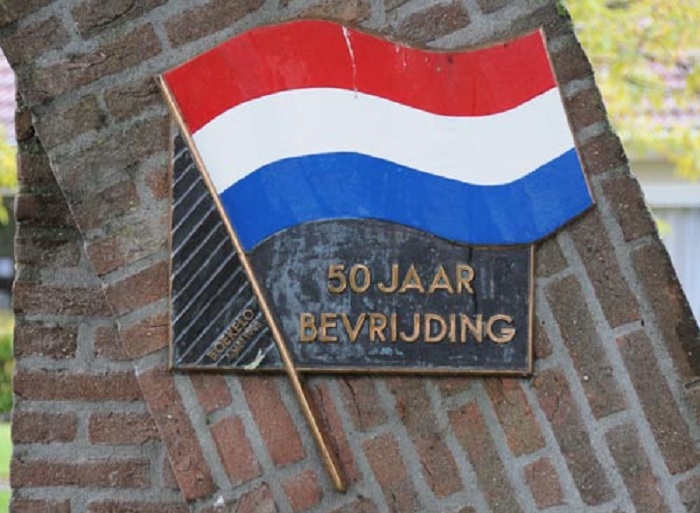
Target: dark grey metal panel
{"x":293,"y":265}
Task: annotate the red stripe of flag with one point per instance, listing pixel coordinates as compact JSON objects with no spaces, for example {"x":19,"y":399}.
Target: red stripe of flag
{"x":306,"y":54}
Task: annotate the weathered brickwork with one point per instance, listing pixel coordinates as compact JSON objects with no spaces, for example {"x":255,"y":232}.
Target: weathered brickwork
{"x":610,"y":419}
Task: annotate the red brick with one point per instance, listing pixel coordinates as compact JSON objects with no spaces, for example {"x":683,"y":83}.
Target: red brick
{"x":689,"y":491}
{"x":549,"y":259}
{"x":560,"y":408}
{"x":362,"y":402}
{"x":121,"y":428}
{"x":24,"y":125}
{"x":95,"y":16}
{"x":666,"y":423}
{"x":635,"y":468}
{"x":140,"y":289}
{"x":168,"y":475}
{"x":35,"y":298}
{"x":12,"y":11}
{"x":257,"y":501}
{"x":121,"y":247}
{"x":303,"y":490}
{"x":576,"y":325}
{"x":115,"y":56}
{"x":212,"y":391}
{"x":626,"y":199}
{"x":46,"y":210}
{"x":47,"y":385}
{"x":125,"y":101}
{"x":334,"y":428}
{"x":489,"y":6}
{"x":472,"y":433}
{"x":598,"y":255}
{"x":146,"y":336}
{"x":113,"y":473}
{"x":203,"y":20}
{"x":362,"y":505}
{"x":453,"y":385}
{"x":551,"y":18}
{"x":107,"y":344}
{"x":415,"y":411}
{"x":49,"y":341}
{"x":570,"y":63}
{"x":33,"y":168}
{"x":383,"y":455}
{"x":674,"y":317}
{"x":42,"y":427}
{"x":433,"y":22}
{"x":88,"y":172}
{"x":158,"y":182}
{"x":70,"y":121}
{"x":602,"y":153}
{"x":390,"y":5}
{"x":191,"y":470}
{"x":109,"y":204}
{"x":515,"y":415}
{"x":344,"y":11}
{"x":137,"y":507}
{"x":274,"y":422}
{"x":585,"y":108}
{"x":542,"y":344}
{"x":48,"y":253}
{"x":235,"y":450}
{"x":27,"y":44}
{"x":38,"y":506}
{"x":544,"y":483}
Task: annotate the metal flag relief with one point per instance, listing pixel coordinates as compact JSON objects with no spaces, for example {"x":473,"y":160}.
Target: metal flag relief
{"x":343,"y":203}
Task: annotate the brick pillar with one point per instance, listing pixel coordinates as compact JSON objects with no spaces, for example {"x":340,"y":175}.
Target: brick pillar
{"x":609,"y":420}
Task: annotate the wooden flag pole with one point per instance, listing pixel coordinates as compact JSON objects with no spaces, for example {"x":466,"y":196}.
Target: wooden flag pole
{"x":329,"y":457}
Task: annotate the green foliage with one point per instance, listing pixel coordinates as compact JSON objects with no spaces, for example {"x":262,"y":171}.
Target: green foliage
{"x":646,"y":54}
{"x":6,"y":364}
{"x":5,"y":451}
{"x":8,"y":173}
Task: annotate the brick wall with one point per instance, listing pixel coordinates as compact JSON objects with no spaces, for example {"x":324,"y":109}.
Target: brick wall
{"x":608,"y":423}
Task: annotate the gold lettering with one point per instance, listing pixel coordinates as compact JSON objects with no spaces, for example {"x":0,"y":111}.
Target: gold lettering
{"x":366,"y":280}
{"x":393,"y":327}
{"x":416,"y":330}
{"x":232,"y":335}
{"x":505,"y":334}
{"x":336,"y":272}
{"x":394,"y":281}
{"x":453,"y":328}
{"x":353,"y":332}
{"x":412,"y":281}
{"x":441,"y":282}
{"x":328,"y":321}
{"x":377,"y":325}
{"x":307,"y":327}
{"x":428,"y":321}
{"x":465,"y":275}
{"x":466,"y":325}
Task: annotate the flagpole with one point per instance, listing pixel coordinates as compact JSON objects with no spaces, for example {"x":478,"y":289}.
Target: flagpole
{"x":330,"y":459}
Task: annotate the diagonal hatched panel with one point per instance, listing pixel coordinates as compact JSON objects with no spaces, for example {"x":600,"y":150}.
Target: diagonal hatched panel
{"x":216,"y":320}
